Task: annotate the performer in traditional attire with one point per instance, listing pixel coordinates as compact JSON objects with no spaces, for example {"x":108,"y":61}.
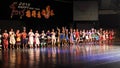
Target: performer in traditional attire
{"x":77,"y":36}
{"x":12,"y":38}
{"x":74,"y":36}
{"x":5,"y":39}
{"x":53,"y":37}
{"x":24,"y":38}
{"x":97,"y":36}
{"x":48,"y":37}
{"x":81,"y":36}
{"x":107,"y":36}
{"x":62,"y":37}
{"x":66,"y":37}
{"x":31,"y":38}
{"x":37,"y":41}
{"x":58,"y":36}
{"x":71,"y":37}
{"x":43,"y":38}
{"x":104,"y":37}
{"x":18,"y":39}
{"x":86,"y":36}
{"x":111,"y":35}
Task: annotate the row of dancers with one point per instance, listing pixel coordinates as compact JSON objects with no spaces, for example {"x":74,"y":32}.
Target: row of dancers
{"x":59,"y":37}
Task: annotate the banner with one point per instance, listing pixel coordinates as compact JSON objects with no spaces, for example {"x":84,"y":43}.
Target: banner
{"x":25,"y":9}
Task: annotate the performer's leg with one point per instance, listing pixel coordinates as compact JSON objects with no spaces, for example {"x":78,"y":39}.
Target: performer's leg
{"x":52,"y":42}
{"x":13,"y":45}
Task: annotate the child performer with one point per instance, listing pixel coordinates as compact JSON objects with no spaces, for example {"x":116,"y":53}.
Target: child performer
{"x":48,"y":37}
{"x":77,"y":36}
{"x":81,"y":36}
{"x":37,"y":41}
{"x":43,"y":38}
{"x":67,"y":36}
{"x":31,"y":38}
{"x":18,"y":39}
{"x":74,"y":36}
{"x":62,"y":36}
{"x":5,"y":39}
{"x":24,"y":38}
{"x":97,"y":37}
{"x":104,"y":37}
{"x":53,"y":37}
{"x":93,"y":35}
{"x":107,"y":36}
{"x":90,"y":36}
{"x":111,"y":35}
{"x":86,"y":36}
{"x":12,"y":38}
{"x":58,"y":36}
{"x":71,"y":37}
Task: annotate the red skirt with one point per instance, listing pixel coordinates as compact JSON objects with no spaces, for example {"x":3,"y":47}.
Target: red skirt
{"x":5,"y":41}
{"x":101,"y":38}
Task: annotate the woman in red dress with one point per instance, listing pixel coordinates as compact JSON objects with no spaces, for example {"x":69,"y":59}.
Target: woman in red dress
{"x":5,"y":39}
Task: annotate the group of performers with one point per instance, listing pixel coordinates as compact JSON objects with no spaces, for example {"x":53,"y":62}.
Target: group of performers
{"x":59,"y":37}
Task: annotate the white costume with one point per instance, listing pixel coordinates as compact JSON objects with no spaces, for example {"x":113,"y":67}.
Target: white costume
{"x":37,"y":41}
{"x":90,"y":35}
{"x":31,"y":38}
{"x":43,"y":39}
{"x":12,"y":37}
{"x":43,"y":35}
{"x":87,"y":37}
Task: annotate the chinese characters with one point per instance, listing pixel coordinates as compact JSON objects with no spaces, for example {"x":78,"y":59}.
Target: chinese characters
{"x":15,"y":11}
{"x":24,"y":9}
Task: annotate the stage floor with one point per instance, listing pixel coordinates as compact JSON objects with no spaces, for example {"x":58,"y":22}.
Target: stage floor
{"x":75,"y":56}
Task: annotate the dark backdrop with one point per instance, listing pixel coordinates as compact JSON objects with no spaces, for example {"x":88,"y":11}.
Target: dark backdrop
{"x":63,"y":16}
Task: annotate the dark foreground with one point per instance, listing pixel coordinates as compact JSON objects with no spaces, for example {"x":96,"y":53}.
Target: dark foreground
{"x":76,"y":56}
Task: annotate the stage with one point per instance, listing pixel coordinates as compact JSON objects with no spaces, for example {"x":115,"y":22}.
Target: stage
{"x":75,"y":56}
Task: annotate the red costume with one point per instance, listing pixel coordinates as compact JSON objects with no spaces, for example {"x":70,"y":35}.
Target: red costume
{"x":5,"y":40}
